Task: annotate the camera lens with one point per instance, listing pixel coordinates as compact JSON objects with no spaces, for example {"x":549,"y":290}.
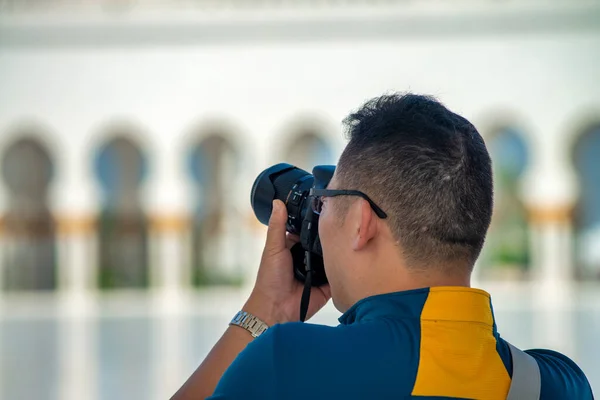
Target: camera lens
{"x":287,"y":183}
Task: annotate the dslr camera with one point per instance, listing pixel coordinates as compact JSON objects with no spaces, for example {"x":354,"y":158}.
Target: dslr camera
{"x":292,"y":185}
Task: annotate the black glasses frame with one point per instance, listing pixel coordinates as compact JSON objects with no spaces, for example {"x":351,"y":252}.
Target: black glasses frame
{"x":318,"y":193}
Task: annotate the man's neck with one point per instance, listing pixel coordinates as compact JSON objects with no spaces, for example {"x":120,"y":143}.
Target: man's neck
{"x":398,"y":279}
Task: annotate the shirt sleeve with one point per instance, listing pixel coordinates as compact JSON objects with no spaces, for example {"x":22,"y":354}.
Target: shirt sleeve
{"x":561,"y":377}
{"x":252,"y":373}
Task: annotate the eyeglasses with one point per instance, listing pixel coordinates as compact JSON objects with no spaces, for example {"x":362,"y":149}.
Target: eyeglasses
{"x":318,"y":194}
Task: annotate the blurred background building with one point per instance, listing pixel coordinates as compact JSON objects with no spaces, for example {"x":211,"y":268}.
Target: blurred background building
{"x":131,"y":132}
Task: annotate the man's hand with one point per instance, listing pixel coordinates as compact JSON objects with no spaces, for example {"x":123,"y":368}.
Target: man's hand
{"x":276,"y":295}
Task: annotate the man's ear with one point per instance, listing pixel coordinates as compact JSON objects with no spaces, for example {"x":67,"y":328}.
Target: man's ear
{"x":366,"y":227}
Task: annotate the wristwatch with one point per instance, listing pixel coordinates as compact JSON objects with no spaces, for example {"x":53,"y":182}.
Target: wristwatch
{"x":249,"y":322}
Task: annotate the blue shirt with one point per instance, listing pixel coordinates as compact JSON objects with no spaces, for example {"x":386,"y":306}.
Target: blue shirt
{"x":430,"y":343}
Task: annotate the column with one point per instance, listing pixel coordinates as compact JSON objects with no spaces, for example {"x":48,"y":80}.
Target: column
{"x":74,"y":205}
{"x":168,"y":203}
{"x":3,"y":246}
{"x":552,"y":241}
{"x":553,"y":288}
{"x":3,"y":238}
{"x":552,"y":189}
{"x":168,"y":197}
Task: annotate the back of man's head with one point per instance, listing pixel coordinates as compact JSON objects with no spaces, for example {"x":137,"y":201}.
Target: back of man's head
{"x":429,"y":169}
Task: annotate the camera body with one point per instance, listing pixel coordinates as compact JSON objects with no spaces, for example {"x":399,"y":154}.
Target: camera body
{"x":292,"y":185}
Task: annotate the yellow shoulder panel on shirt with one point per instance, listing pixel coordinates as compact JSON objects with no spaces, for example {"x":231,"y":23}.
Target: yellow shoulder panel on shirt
{"x":458,"y":356}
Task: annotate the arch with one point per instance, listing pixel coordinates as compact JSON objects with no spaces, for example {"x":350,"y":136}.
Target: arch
{"x":586,"y":219}
{"x":236,"y":136}
{"x":577,"y":126}
{"x":507,"y":251}
{"x":28,"y":224}
{"x":214,"y":164}
{"x":215,"y":126}
{"x":307,"y":150}
{"x":307,"y":142}
{"x":105,"y":132}
{"x":32,"y":128}
{"x":120,"y":167}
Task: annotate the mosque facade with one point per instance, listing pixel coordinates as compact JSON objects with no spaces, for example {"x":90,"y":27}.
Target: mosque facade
{"x":131,"y":133}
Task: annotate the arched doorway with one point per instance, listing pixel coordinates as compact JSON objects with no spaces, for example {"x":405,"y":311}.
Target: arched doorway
{"x":123,"y":227}
{"x":507,"y":251}
{"x":30,"y":253}
{"x":308,"y":149}
{"x":217,"y":235}
{"x":587,"y":210}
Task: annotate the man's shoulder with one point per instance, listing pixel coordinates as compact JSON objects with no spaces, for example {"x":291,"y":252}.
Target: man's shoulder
{"x":561,"y":376}
{"x":303,"y":329}
{"x":293,"y":337}
{"x":343,"y":348}
{"x":297,"y":335}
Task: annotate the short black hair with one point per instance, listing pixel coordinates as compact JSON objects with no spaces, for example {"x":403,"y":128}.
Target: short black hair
{"x":428,"y":169}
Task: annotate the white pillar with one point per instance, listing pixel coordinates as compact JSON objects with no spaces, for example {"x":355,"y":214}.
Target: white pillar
{"x":3,"y":239}
{"x":74,"y":202}
{"x":3,"y":247}
{"x":74,"y":205}
{"x":550,"y":189}
{"x":553,"y":288}
{"x":167,"y":202}
{"x":552,"y":245}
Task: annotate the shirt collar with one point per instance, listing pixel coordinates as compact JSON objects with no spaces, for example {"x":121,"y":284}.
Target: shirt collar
{"x":450,"y":303}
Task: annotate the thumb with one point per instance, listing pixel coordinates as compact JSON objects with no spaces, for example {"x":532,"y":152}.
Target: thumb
{"x":276,"y":231}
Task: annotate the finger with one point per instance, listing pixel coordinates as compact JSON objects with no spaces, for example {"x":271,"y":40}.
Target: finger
{"x":276,"y":239}
{"x":291,"y":240}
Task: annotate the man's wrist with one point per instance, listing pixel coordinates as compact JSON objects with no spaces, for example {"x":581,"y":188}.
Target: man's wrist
{"x":254,"y":325}
{"x":264,"y":309}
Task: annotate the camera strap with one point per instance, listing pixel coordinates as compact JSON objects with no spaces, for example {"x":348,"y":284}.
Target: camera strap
{"x":305,"y":300}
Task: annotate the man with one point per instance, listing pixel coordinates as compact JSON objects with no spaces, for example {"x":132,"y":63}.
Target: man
{"x":411,"y":324}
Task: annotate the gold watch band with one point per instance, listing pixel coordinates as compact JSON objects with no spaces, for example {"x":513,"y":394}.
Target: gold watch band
{"x":249,"y":322}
